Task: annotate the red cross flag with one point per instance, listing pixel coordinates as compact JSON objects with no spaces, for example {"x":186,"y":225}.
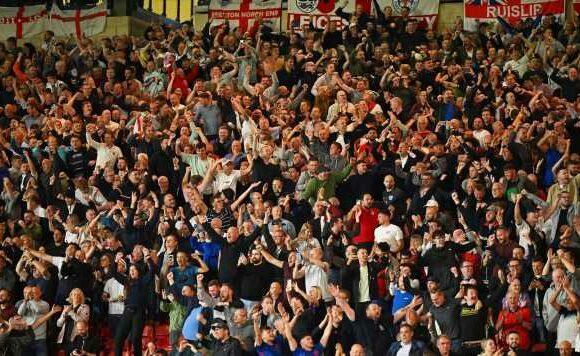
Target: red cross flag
{"x":78,"y":21}
{"x":242,"y":13}
{"x":23,"y":21}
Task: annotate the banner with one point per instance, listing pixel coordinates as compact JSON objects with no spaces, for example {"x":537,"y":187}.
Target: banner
{"x":29,"y":21}
{"x":576,"y":7}
{"x":243,"y":13}
{"x":425,"y":11}
{"x":300,"y":11}
{"x":23,"y":21}
{"x":510,"y":10}
{"x":80,"y":21}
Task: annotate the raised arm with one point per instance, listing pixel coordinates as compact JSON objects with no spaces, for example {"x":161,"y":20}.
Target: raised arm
{"x":203,"y":268}
{"x":348,"y":311}
{"x":298,"y":273}
{"x":202,"y":295}
{"x":517,"y":210}
{"x":291,"y":340}
{"x":243,"y":196}
{"x":41,"y":255}
{"x":271,"y":259}
{"x":327,"y":331}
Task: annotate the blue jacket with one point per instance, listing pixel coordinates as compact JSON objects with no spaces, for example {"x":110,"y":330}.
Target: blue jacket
{"x":416,"y":348}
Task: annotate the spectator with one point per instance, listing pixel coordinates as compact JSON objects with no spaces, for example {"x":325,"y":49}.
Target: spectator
{"x":133,"y":318}
{"x":223,"y":343}
{"x":84,"y":343}
{"x":72,"y":313}
{"x":415,"y":182}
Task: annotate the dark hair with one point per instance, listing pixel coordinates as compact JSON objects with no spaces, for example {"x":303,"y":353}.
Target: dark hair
{"x":214,"y":282}
{"x":538,"y":259}
{"x":438,"y":233}
{"x":385,"y":211}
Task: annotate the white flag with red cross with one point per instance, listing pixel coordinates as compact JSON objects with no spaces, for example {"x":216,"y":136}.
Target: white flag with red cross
{"x":243,"y":13}
{"x":23,"y":21}
{"x":89,"y":22}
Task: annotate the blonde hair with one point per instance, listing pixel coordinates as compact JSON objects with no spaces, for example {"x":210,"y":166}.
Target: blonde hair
{"x":76,"y":290}
{"x":303,"y":230}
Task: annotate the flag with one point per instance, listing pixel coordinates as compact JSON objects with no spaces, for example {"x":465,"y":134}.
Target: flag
{"x":242,"y":13}
{"x":89,"y":22}
{"x":23,"y":21}
{"x":299,"y":12}
{"x":424,"y":11}
{"x":511,"y":11}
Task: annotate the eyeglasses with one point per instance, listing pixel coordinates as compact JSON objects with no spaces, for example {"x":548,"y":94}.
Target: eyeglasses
{"x":216,"y":327}
{"x":514,"y":265}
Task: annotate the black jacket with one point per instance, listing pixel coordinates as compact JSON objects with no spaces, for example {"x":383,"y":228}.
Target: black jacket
{"x":230,"y":253}
{"x":351,"y":279}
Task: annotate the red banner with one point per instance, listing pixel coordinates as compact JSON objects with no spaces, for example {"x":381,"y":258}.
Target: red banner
{"x":510,"y":10}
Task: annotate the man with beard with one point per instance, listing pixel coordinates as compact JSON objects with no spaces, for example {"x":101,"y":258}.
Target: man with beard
{"x":255,"y":278}
{"x":218,"y":301}
{"x":513,"y":344}
{"x":84,"y":344}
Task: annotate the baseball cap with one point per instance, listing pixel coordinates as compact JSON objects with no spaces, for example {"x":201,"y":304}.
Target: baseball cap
{"x":432,"y":203}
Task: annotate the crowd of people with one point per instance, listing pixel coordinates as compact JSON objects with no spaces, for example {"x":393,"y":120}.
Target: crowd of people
{"x":370,"y":189}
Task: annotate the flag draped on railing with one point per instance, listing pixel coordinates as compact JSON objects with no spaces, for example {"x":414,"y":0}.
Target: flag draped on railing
{"x":28,"y":21}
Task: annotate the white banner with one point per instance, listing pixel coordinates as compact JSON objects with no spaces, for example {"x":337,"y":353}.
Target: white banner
{"x":23,"y":21}
{"x":243,"y":13}
{"x":300,"y":11}
{"x":425,"y":11}
{"x":83,"y":21}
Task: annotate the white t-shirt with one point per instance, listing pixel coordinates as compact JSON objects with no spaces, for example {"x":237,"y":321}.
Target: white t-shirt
{"x":567,"y":329}
{"x":315,"y":276}
{"x":480,"y":136}
{"x":520,"y":65}
{"x":115,"y":289}
{"x":390,"y":234}
{"x":404,"y":350}
{"x":223,"y":181}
